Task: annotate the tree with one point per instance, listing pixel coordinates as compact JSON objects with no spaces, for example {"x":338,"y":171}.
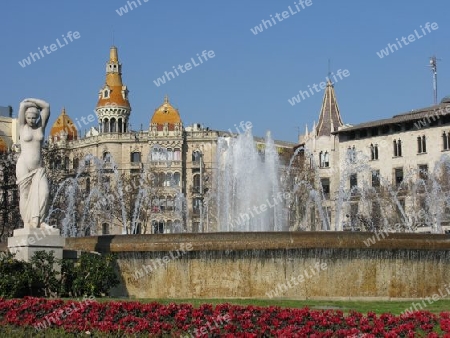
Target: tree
{"x":9,"y":196}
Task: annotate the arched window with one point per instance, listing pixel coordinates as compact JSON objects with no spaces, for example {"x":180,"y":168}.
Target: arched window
{"x":196,"y":183}
{"x":158,"y":227}
{"x":113,"y":125}
{"x":168,"y":179}
{"x":445,"y":141}
{"x":106,"y":126}
{"x":176,"y":179}
{"x":169,"y":154}
{"x":107,"y":157}
{"x":169,"y":228}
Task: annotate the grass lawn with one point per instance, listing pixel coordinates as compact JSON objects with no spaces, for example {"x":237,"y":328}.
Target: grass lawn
{"x":394,"y":307}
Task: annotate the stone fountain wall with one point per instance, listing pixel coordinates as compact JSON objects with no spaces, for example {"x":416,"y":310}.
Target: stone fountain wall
{"x":331,"y":265}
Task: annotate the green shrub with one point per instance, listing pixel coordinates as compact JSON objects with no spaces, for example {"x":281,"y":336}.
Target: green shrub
{"x":45,"y":277}
{"x":16,"y":277}
{"x":92,"y":274}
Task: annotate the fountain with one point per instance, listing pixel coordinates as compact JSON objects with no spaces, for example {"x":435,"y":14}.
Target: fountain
{"x":253,"y":257}
{"x":248,"y":192}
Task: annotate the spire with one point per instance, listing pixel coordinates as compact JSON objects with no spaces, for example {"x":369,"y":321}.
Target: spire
{"x":330,"y":117}
{"x":113,"y":69}
{"x":166,"y":99}
{"x":113,"y":108}
{"x":113,"y":55}
{"x":114,"y":92}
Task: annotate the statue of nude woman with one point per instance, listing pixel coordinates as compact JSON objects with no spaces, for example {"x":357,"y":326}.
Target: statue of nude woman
{"x":30,"y":173}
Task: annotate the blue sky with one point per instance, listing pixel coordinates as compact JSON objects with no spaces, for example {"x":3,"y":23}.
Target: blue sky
{"x":251,"y":76}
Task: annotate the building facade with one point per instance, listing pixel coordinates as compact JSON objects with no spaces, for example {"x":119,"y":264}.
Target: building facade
{"x":154,"y":181}
{"x":387,"y":174}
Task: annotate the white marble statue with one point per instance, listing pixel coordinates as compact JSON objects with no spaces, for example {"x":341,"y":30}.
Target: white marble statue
{"x":30,"y":173}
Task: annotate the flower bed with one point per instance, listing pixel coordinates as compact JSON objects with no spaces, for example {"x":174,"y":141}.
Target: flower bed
{"x":183,"y":320}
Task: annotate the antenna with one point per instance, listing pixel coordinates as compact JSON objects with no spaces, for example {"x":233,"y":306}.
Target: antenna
{"x":433,"y":66}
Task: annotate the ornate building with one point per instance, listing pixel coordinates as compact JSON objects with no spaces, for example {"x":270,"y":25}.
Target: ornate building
{"x":384,"y":174}
{"x":153,"y":181}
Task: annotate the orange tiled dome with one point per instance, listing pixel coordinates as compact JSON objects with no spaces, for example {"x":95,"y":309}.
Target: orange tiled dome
{"x":166,"y":113}
{"x":3,"y":145}
{"x":115,"y":97}
{"x":64,"y":125}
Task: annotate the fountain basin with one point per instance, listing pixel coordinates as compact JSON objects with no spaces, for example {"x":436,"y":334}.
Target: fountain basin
{"x":253,"y":265}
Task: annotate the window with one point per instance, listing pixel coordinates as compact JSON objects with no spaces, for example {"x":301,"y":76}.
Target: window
{"x":170,"y":205}
{"x":105,"y":229}
{"x":374,"y":152}
{"x":169,"y":154}
{"x":351,"y":154}
{"x":76,"y":163}
{"x":158,"y":227}
{"x":176,"y":179}
{"x":196,"y":205}
{"x":423,"y":171}
{"x":353,"y":181}
{"x":421,"y":145}
{"x":354,"y":214}
{"x":445,"y":139}
{"x":177,"y":154}
{"x":324,"y":159}
{"x":397,"y":148}
{"x":196,"y":156}
{"x":159,"y":153}
{"x":168,"y":180}
{"x":135,"y":157}
{"x":107,"y":157}
{"x":375,"y":178}
{"x":325,"y":187}
{"x":398,"y":175}
{"x":196,"y":183}
{"x":105,"y":94}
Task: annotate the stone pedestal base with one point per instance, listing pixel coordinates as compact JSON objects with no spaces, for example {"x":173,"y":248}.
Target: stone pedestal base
{"x":25,"y":242}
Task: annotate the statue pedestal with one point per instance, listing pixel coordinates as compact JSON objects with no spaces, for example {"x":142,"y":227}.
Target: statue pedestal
{"x":25,"y":242}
